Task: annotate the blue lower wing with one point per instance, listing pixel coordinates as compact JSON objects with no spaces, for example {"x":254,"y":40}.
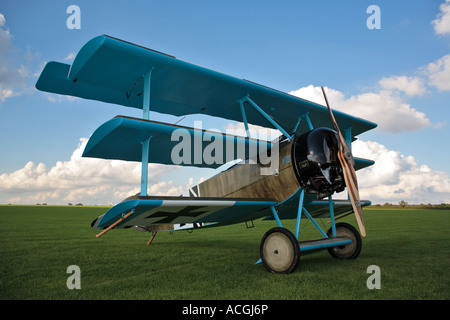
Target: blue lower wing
{"x":183,"y":211}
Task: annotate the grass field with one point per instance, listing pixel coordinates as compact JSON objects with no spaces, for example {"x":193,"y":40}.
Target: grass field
{"x":38,"y":243}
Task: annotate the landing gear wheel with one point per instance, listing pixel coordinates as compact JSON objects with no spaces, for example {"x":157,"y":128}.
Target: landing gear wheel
{"x":350,"y":251}
{"x":280,"y":251}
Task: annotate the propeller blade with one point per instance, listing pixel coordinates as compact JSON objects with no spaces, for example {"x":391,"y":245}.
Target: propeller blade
{"x":347,"y":162}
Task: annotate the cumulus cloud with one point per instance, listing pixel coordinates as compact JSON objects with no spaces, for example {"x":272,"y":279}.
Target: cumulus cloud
{"x":388,"y":106}
{"x":86,"y":180}
{"x":438,"y":73}
{"x":10,"y":77}
{"x":18,"y":69}
{"x":256,"y":132}
{"x":70,"y":57}
{"x":442,"y":23}
{"x":411,"y":86}
{"x":395,"y":177}
{"x":13,"y":74}
{"x":386,"y":109}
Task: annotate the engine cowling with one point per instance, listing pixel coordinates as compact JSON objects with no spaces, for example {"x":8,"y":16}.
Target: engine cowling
{"x":316,"y":163}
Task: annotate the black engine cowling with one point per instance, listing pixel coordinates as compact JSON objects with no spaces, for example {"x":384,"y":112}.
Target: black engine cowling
{"x":316,"y":163}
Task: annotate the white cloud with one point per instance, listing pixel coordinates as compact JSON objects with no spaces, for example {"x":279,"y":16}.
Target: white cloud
{"x":11,"y":77}
{"x":70,"y":56}
{"x":2,"y":20}
{"x":442,"y":22}
{"x":439,"y":73}
{"x":395,"y":177}
{"x":388,"y":107}
{"x":256,"y":132}
{"x":384,"y":108}
{"x":85,"y":180}
{"x":57,"y":98}
{"x":13,"y":74}
{"x":6,"y":93}
{"x":411,"y":86}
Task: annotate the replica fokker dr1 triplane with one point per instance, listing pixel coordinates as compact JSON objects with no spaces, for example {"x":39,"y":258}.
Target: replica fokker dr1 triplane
{"x":314,"y":158}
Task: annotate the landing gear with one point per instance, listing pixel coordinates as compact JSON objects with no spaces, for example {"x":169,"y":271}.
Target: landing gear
{"x":280,"y":251}
{"x":349,"y":251}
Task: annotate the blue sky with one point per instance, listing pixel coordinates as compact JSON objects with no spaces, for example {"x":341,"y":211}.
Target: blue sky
{"x":397,"y":76}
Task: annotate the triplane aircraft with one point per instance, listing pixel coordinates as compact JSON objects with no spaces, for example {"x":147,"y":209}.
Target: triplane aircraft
{"x":313,"y":156}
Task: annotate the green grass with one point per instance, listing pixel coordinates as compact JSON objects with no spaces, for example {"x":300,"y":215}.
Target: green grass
{"x":38,"y":243}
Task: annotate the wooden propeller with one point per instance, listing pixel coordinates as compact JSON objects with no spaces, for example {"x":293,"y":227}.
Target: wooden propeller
{"x":347,"y":162}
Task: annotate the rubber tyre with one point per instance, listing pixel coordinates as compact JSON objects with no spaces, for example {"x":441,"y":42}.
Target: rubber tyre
{"x":280,"y":251}
{"x":350,"y":251}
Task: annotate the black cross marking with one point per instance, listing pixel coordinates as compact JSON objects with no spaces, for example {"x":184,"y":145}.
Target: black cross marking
{"x":185,"y":212}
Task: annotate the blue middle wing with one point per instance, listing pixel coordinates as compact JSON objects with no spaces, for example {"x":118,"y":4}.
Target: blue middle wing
{"x":121,"y":139}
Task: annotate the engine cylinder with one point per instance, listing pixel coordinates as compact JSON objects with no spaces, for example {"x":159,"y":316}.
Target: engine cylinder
{"x":316,"y":163}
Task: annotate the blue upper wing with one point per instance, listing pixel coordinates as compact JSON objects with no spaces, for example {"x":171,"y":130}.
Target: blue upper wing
{"x":111,"y":70}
